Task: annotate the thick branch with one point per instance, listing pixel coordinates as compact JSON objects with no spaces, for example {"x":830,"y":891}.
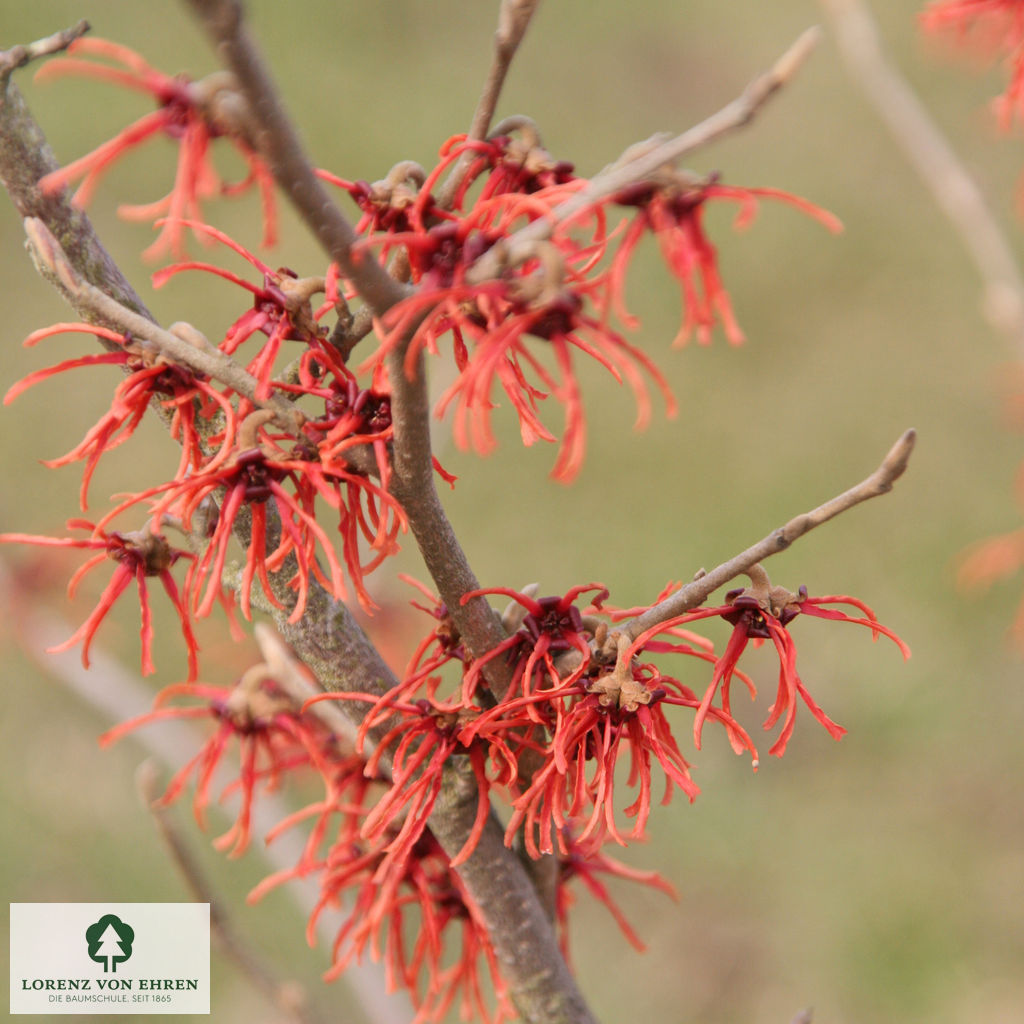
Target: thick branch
{"x":696,"y":592}
{"x":540,"y":982}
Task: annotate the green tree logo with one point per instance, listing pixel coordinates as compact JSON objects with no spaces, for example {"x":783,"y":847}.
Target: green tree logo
{"x":110,"y":942}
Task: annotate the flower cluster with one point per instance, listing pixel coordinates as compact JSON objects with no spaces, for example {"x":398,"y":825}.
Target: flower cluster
{"x":237,"y":475}
{"x":583,"y":695}
{"x":546,"y":302}
{"x":403,"y":902}
{"x":521,"y":328}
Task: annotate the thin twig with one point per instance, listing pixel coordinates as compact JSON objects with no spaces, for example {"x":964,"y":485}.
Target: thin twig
{"x":638,"y":163}
{"x":19,"y":56}
{"x":944,"y":174}
{"x":288,"y":996}
{"x":513,"y":20}
{"x":697,"y":591}
{"x":198,"y":354}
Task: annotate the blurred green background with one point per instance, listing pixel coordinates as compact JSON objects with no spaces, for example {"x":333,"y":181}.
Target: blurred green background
{"x":878,"y":880}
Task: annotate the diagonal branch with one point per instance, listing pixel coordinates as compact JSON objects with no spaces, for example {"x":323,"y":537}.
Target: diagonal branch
{"x":696,"y":592}
{"x":186,"y":348}
{"x":640,"y":161}
{"x":19,"y":56}
{"x":274,"y":135}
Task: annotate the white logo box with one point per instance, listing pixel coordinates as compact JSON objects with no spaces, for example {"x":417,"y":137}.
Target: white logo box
{"x":69,"y":958}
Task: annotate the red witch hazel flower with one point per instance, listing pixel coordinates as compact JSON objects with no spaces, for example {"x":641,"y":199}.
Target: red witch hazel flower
{"x":192,"y":114}
{"x":260,"y":470}
{"x":441,"y":646}
{"x":139,"y":556}
{"x":353,"y":418}
{"x":610,"y":705}
{"x":188,"y":396}
{"x":763,"y":612}
{"x":274,"y":742}
{"x":579,"y":699}
{"x":418,"y":746}
{"x":439,"y":961}
{"x":996,"y":28}
{"x":281,"y":307}
{"x":551,"y":628}
{"x":394,"y":205}
{"x":671,"y":206}
{"x":542,"y":296}
{"x":512,"y":159}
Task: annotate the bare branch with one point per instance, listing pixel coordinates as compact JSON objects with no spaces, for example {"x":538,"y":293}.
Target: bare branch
{"x":19,"y":56}
{"x":275,"y":137}
{"x":944,"y":174}
{"x":513,"y":20}
{"x":298,"y":683}
{"x":186,"y":348}
{"x":696,"y":592}
{"x":639,"y":162}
